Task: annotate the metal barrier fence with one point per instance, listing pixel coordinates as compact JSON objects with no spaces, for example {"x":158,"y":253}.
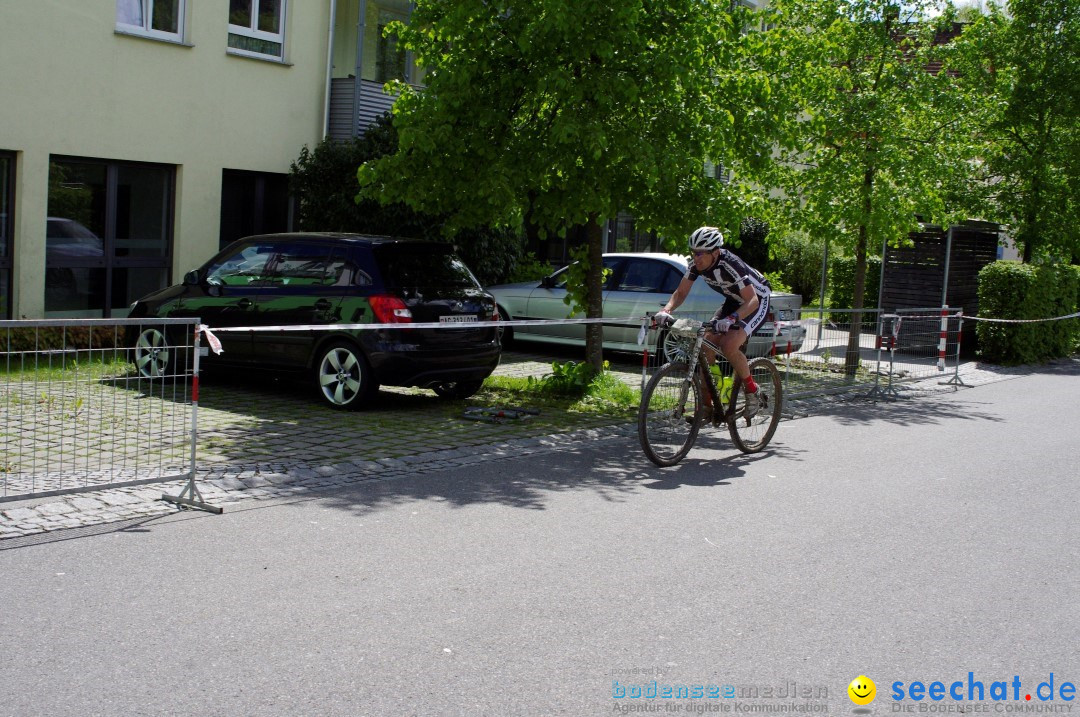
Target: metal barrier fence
{"x":838,"y":353}
{"x":86,"y":404}
{"x":821,"y":352}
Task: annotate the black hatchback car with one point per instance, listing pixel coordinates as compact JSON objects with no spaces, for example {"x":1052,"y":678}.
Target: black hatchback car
{"x":316,"y":279}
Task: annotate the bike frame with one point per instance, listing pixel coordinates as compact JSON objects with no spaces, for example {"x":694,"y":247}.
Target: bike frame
{"x":698,"y":360}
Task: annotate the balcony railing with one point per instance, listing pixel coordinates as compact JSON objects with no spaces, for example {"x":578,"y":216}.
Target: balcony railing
{"x":373,"y":102}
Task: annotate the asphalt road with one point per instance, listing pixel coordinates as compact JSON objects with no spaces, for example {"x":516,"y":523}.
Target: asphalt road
{"x":917,"y":541}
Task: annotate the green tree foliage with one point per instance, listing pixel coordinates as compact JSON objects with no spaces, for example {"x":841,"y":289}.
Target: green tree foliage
{"x":324,"y":182}
{"x":565,"y":113}
{"x":1026,"y":65}
{"x":880,"y":140}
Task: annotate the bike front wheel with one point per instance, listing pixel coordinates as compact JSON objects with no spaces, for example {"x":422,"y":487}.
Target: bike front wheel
{"x":752,"y":427}
{"x":670,"y":414}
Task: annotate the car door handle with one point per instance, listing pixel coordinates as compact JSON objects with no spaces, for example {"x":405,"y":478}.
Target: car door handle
{"x":244,"y":303}
{"x":323,"y":305}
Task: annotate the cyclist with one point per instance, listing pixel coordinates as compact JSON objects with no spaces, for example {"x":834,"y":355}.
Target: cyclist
{"x":746,"y":304}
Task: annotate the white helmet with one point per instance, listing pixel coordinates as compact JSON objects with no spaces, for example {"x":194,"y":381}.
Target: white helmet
{"x":706,"y":239}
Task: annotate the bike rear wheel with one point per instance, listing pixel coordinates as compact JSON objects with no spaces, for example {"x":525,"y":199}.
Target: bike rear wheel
{"x":751,"y":433}
{"x":668,"y":400}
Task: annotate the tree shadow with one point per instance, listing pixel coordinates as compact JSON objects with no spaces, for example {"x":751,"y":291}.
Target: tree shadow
{"x":617,"y":470}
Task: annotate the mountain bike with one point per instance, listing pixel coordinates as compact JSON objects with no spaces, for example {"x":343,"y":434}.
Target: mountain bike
{"x":673,"y":408}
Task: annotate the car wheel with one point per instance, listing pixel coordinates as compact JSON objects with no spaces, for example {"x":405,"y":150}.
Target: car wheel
{"x":506,"y":333}
{"x":152,"y":353}
{"x":342,"y":376}
{"x":670,"y":350}
{"x":456,"y":389}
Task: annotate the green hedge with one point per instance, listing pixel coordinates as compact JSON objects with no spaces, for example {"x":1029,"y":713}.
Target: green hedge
{"x":1011,"y":290}
{"x":54,"y":338}
{"x":842,"y":282}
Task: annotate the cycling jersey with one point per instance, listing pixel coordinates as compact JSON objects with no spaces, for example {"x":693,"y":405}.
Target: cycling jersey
{"x":729,"y":274}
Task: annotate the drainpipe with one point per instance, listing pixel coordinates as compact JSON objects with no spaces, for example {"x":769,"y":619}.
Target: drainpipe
{"x":329,"y":69}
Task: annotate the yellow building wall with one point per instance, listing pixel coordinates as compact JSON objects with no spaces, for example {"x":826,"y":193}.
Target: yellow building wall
{"x":71,"y":85}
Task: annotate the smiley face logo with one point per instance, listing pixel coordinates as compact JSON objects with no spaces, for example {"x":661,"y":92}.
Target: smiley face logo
{"x":862,"y":690}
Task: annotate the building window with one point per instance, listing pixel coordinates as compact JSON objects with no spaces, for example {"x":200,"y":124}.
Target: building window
{"x":625,"y":236}
{"x":717,"y":171}
{"x":390,"y":63}
{"x":108,"y":235}
{"x":159,"y":19}
{"x":257,"y":28}
{"x":7,"y":223}
{"x":253,"y":203}
{"x":384,"y":58}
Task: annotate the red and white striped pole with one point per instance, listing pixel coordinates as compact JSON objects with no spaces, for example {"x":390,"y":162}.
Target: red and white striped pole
{"x":943,"y":337}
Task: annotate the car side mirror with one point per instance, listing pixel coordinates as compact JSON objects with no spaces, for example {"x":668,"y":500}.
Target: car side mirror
{"x":547,"y":282}
{"x":191,"y":278}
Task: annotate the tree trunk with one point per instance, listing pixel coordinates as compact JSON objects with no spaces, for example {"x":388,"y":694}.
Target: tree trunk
{"x":853,"y":354}
{"x":594,"y":333}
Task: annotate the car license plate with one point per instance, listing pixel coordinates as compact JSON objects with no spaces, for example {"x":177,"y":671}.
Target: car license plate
{"x":456,"y":319}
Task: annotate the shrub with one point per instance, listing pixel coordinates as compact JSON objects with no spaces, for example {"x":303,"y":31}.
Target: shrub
{"x":529,"y":268}
{"x":1011,"y":290}
{"x":842,"y":282}
{"x":752,"y":246}
{"x":56,"y":338}
{"x":777,"y":283}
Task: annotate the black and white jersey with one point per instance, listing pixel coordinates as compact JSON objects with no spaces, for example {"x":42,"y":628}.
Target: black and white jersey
{"x":729,"y":274}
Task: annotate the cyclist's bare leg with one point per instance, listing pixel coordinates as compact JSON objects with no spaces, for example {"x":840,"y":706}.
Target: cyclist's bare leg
{"x":729,"y":344}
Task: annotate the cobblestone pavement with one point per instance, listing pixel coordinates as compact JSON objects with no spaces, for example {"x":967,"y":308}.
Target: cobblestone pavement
{"x":261,"y":442}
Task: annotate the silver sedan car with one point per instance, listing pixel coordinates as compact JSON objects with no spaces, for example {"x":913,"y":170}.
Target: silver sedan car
{"x":639,"y":283}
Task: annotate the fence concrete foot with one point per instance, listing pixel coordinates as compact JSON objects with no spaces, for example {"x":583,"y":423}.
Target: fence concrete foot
{"x":190,"y":497}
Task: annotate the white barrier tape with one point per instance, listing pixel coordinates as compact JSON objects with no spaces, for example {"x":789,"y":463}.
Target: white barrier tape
{"x":1018,"y":321}
{"x":968,"y":317}
{"x":213,"y":341}
{"x":428,"y":325}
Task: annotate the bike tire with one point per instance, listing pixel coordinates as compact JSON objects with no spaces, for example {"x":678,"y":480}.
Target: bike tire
{"x":751,"y":435}
{"x":665,"y":434}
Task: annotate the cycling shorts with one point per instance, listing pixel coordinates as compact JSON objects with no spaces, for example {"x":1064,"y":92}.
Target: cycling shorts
{"x":754,"y":321}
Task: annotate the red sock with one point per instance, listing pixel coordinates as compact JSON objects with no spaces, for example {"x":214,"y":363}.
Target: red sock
{"x":751,"y":387}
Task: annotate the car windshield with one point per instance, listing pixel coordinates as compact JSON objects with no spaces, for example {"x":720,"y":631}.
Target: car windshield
{"x":406,"y":266}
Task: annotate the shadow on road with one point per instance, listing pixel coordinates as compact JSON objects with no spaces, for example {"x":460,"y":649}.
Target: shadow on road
{"x":613,"y":468}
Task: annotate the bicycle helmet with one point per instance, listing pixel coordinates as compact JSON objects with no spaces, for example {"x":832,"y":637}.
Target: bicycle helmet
{"x":706,"y":239}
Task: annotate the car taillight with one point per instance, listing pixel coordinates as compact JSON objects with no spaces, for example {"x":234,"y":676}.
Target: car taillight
{"x":390,"y":310}
{"x":495,"y":315}
{"x":769,"y":318}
